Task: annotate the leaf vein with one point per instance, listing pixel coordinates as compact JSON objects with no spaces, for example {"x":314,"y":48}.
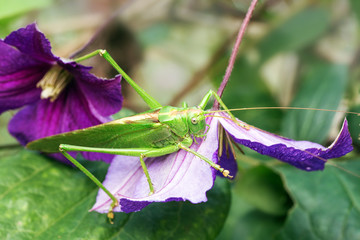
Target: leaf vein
{"x":24,"y":180}
{"x":129,"y":215}
{"x":67,"y":212}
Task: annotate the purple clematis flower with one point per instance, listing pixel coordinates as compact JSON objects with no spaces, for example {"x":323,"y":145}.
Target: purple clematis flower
{"x":181,"y":176}
{"x":57,"y":95}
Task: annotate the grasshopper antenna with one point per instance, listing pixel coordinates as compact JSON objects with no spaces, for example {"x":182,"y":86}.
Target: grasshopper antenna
{"x":284,"y":108}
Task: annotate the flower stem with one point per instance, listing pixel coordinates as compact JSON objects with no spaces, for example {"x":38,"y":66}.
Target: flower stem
{"x":235,"y":51}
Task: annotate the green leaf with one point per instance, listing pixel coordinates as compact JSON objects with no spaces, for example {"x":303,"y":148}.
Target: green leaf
{"x":43,"y":199}
{"x":264,"y":189}
{"x":11,"y":11}
{"x":6,"y":138}
{"x":323,"y":87}
{"x":354,"y":126}
{"x":247,"y":222}
{"x":295,"y":33}
{"x":16,"y":7}
{"x":327,"y":203}
{"x":355,"y":7}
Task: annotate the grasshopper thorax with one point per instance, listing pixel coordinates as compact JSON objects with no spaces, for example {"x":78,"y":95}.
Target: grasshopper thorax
{"x":184,"y":121}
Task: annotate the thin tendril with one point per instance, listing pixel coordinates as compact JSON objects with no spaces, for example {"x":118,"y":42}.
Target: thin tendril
{"x":235,"y":51}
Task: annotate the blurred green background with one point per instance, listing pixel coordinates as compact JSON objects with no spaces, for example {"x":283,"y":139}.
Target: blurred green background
{"x":300,"y":53}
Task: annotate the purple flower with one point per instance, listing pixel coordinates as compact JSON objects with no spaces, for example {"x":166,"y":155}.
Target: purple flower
{"x":57,"y":95}
{"x":181,"y":176}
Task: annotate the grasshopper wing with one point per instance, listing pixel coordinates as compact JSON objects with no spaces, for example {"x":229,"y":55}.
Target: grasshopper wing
{"x":138,"y":131}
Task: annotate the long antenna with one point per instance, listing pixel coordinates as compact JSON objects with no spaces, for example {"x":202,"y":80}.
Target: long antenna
{"x":284,"y":108}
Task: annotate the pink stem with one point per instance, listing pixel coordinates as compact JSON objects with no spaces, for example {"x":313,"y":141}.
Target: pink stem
{"x":235,"y":51}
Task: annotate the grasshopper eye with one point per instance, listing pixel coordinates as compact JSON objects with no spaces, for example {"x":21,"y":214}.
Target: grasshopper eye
{"x":194,"y":121}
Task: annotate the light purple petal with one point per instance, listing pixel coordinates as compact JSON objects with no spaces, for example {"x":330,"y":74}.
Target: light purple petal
{"x":176,"y":177}
{"x":305,"y":155}
{"x":19,"y":75}
{"x":31,"y":41}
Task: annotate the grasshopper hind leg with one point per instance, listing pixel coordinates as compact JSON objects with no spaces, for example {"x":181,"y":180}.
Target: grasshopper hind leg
{"x":63,"y":149}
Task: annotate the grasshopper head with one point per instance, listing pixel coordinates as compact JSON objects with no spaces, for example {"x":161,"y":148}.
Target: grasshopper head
{"x":196,"y":122}
{"x":184,"y":121}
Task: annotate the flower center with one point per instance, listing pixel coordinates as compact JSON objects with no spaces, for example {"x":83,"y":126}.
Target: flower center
{"x":53,"y":82}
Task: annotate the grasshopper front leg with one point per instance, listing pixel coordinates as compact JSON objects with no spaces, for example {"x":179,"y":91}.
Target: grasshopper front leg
{"x":217,"y":167}
{"x":206,"y":99}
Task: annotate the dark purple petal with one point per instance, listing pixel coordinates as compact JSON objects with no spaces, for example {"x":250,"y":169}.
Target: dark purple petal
{"x":227,"y":161}
{"x":31,"y":41}
{"x":342,"y":144}
{"x":301,"y":154}
{"x":25,"y":57}
{"x":178,"y":176}
{"x":69,"y":112}
{"x":103,"y":95}
{"x":19,"y":75}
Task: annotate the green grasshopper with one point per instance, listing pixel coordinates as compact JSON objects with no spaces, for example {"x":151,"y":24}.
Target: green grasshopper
{"x":161,"y":130}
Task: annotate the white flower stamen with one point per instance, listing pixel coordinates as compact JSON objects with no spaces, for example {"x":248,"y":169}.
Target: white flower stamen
{"x":53,"y":82}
